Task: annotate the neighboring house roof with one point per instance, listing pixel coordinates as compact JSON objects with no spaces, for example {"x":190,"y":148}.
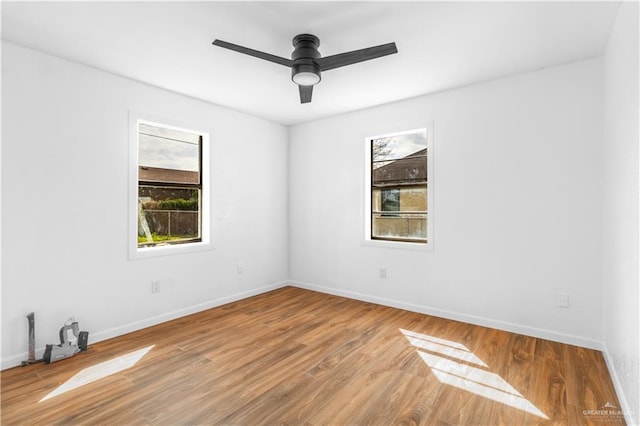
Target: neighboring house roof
{"x":157,"y":174}
{"x":409,"y":169}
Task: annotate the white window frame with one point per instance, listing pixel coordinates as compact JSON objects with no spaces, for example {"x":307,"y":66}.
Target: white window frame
{"x":367,"y":240}
{"x":135,"y":252}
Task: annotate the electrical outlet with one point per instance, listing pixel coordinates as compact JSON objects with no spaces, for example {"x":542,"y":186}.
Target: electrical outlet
{"x":156,"y":286}
{"x":563,"y":300}
{"x":382,"y":273}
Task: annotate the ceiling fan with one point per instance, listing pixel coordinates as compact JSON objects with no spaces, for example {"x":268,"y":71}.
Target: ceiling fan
{"x":306,"y":63}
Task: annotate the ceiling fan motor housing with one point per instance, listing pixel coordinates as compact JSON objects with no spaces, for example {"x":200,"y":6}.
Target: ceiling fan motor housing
{"x":304,"y":70}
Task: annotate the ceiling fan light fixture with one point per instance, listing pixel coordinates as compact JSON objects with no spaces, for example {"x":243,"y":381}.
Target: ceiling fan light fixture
{"x":306,"y":78}
{"x":305,"y":74}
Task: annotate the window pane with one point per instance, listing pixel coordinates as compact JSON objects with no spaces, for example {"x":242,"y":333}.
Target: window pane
{"x":168,"y":215}
{"x":400,"y":226}
{"x":162,"y":150}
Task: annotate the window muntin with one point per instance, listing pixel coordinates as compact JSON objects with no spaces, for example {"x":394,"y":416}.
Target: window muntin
{"x":399,"y":187}
{"x":169,"y":186}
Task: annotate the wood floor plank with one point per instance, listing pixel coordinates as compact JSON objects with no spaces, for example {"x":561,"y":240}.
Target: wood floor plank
{"x":299,"y":357}
{"x":547,"y":389}
{"x":403,"y":399}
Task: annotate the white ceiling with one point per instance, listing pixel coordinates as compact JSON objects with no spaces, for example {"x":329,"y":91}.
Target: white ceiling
{"x":441,"y":45}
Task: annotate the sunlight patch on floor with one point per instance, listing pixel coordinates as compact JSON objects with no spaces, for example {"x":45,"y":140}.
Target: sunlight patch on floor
{"x":472,"y":379}
{"x":442,"y":346}
{"x":100,"y":371}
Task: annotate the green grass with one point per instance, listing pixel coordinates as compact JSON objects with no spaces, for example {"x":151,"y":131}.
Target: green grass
{"x":160,"y":238}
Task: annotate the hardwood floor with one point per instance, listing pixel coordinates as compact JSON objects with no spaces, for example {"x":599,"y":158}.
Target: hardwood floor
{"x":294,"y":356}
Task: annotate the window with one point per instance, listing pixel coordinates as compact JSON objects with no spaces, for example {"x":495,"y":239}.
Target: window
{"x":398,"y":193}
{"x":390,"y":200}
{"x":170,"y":199}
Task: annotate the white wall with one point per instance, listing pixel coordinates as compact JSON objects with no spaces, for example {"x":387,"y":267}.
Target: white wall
{"x":517,"y":205}
{"x":65,"y":210}
{"x":620,"y":158}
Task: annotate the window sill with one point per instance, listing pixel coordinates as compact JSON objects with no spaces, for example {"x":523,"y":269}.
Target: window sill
{"x":168,"y":250}
{"x":398,"y":245}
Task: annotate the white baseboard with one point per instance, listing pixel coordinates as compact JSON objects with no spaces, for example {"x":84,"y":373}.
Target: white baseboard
{"x":95,"y":337}
{"x":458,"y":316}
{"x":617,"y":385}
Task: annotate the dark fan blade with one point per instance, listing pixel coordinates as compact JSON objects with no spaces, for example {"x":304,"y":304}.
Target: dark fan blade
{"x":305,"y":93}
{"x":256,"y":53}
{"x":353,"y":57}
